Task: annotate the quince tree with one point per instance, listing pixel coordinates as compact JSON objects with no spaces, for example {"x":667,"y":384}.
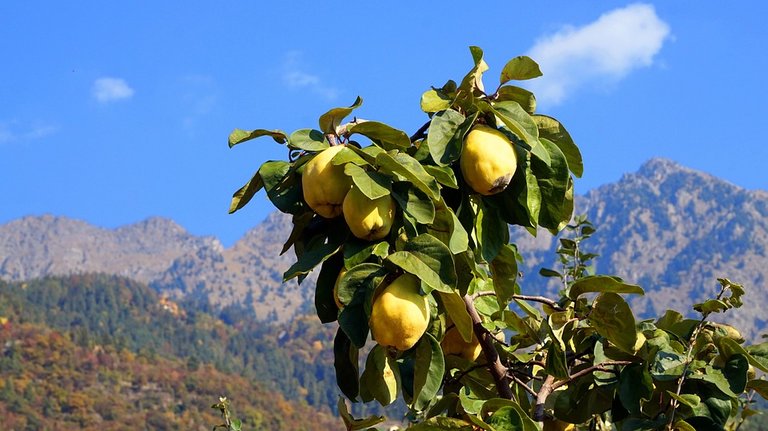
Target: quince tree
{"x":411,"y":238}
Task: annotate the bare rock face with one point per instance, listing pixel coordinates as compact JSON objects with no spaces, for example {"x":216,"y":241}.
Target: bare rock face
{"x":33,"y":247}
{"x":674,"y":231}
{"x":671,"y":229}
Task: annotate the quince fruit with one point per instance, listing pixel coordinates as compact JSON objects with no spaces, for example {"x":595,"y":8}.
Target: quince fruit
{"x":454,"y":344}
{"x":557,"y":425}
{"x":324,"y":184}
{"x":488,"y":161}
{"x":368,"y":219}
{"x":400,"y":314}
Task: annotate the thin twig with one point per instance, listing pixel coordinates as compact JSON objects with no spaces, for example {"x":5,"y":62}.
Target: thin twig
{"x":555,"y":306}
{"x":521,"y":383}
{"x":421,"y":133}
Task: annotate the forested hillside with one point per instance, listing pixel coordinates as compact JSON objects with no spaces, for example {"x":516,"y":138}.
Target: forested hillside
{"x":106,"y":337}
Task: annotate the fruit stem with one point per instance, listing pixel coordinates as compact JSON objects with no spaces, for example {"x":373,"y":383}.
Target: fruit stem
{"x":497,"y":370}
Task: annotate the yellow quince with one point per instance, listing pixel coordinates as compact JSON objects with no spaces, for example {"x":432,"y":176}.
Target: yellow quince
{"x":400,"y":314}
{"x":368,"y":219}
{"x":488,"y":161}
{"x":324,"y":184}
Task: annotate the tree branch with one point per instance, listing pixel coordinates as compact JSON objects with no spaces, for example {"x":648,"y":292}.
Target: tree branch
{"x":421,"y":132}
{"x":550,"y":385}
{"x":540,"y":299}
{"x":497,"y":370}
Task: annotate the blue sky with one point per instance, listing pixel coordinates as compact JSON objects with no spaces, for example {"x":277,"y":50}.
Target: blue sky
{"x":112,"y":112}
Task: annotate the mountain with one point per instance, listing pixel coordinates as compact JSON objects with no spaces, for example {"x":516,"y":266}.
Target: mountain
{"x":671,"y":229}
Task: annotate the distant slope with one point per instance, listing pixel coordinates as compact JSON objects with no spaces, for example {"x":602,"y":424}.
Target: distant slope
{"x":50,"y":382}
{"x":33,"y":247}
{"x":673,"y":230}
{"x":669,"y":228}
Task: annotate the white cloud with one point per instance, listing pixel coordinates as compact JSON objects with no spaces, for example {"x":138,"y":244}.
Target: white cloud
{"x":111,"y":89}
{"x":14,"y":131}
{"x":294,"y":75}
{"x":603,"y":51}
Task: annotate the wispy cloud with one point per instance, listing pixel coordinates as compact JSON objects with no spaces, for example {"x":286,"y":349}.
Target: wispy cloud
{"x":108,"y":89}
{"x":294,"y":74}
{"x":199,"y":96}
{"x":603,"y":51}
{"x":14,"y":131}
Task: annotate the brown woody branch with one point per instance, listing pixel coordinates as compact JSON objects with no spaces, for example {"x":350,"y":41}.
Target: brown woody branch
{"x":421,"y":133}
{"x":550,"y":385}
{"x":497,"y":370}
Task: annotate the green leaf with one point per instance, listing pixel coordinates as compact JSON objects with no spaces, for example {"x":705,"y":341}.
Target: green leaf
{"x":411,"y":170}
{"x":525,"y":98}
{"x":735,"y":371}
{"x":711,"y":306}
{"x":353,"y":424}
{"x":553,"y":181}
{"x":553,"y":130}
{"x":612,"y":318}
{"x":345,"y":360}
{"x":444,"y":175}
{"x":473,"y":81}
{"x":332,"y":119}
{"x":239,"y":136}
{"x":325,"y":306}
{"x":496,"y":404}
{"x":382,"y":134}
{"x":446,"y":135}
{"x":519,"y":68}
{"x":504,"y":271}
{"x":372,"y":184}
{"x":429,"y":368}
{"x":245,"y":193}
{"x":556,"y":362}
{"x":316,"y":251}
{"x":447,"y":228}
{"x":546,"y":272}
{"x":716,"y":378}
{"x":506,"y":419}
{"x":602,"y":283}
{"x":442,"y":423}
{"x":457,"y":311}
{"x":492,"y":232}
{"x":414,"y":202}
{"x":522,"y":125}
{"x":434,"y":101}
{"x":355,"y":290}
{"x":690,"y":400}
{"x":759,"y":353}
{"x":635,"y":385}
{"x":308,"y":140}
{"x":381,"y":376}
{"x":283,"y":188}
{"x":429,"y":259}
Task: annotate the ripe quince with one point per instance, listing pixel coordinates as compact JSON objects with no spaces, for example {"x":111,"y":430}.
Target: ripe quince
{"x":454,"y":344}
{"x":368,"y":219}
{"x":488,"y":161}
{"x":324,"y":184}
{"x":400,"y":314}
{"x":557,"y":425}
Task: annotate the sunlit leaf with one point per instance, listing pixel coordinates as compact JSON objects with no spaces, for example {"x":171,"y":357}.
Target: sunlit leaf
{"x":519,"y":68}
{"x":382,"y":134}
{"x":429,"y":367}
{"x":239,"y":136}
{"x":333,"y":118}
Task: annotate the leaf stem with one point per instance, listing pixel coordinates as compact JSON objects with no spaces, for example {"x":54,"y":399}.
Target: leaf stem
{"x":421,"y":133}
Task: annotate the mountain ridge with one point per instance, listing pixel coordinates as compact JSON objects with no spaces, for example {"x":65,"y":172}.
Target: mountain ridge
{"x":670,"y":228}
